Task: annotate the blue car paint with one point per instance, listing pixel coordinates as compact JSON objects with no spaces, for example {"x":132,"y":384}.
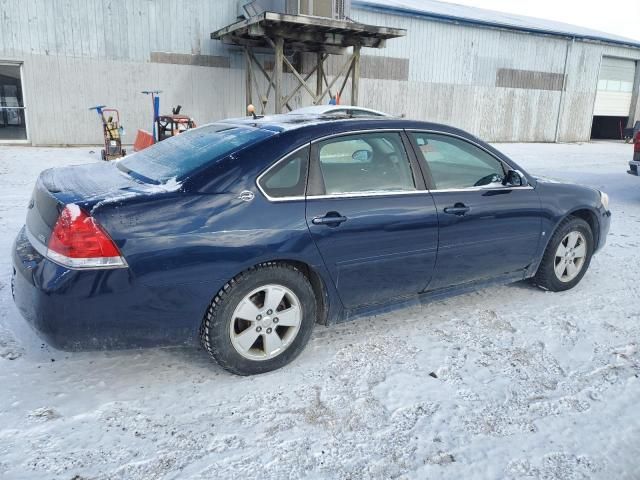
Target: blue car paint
{"x":503,"y":224}
{"x":183,"y":245}
{"x":386,"y":249}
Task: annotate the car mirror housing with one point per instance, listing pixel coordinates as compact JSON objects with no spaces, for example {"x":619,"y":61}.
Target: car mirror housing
{"x":515,"y":178}
{"x":362,"y":156}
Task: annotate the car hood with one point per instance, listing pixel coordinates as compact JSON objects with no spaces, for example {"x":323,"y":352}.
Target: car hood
{"x":547,"y":179}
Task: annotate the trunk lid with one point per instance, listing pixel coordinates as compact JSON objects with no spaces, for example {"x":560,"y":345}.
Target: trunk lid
{"x":88,"y":186}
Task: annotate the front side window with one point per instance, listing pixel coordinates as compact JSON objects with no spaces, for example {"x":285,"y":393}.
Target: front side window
{"x":367,"y":162}
{"x":288,"y":178}
{"x":455,"y":163}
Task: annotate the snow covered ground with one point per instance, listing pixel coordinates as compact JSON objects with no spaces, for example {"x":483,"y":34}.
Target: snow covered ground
{"x":505,"y":383}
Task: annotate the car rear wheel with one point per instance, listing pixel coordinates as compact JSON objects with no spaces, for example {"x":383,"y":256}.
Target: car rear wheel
{"x":567,"y":256}
{"x":261,"y":320}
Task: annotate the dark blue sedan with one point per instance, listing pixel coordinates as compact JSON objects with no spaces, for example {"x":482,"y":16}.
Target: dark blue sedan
{"x":247,"y":232}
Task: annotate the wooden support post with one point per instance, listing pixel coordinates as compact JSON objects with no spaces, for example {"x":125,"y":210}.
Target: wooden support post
{"x":277,"y":73}
{"x":248,"y":82}
{"x":319,"y":72}
{"x":355,"y":75}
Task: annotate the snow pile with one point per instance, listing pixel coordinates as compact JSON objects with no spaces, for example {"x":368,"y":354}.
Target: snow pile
{"x":506,"y":383}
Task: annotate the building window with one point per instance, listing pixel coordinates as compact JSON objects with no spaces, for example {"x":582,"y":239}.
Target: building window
{"x":13,"y":126}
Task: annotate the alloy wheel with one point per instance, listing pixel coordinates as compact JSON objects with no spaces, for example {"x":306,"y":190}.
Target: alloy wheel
{"x":265,"y":322}
{"x":570,"y":256}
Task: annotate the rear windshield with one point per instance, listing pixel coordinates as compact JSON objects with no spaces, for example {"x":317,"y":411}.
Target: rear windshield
{"x":175,"y":158}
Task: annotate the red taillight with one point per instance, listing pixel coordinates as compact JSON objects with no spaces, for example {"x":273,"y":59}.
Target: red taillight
{"x":78,"y":241}
{"x":636,"y":142}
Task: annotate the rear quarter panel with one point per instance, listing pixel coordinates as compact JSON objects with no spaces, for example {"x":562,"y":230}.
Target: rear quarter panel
{"x":187,"y":246}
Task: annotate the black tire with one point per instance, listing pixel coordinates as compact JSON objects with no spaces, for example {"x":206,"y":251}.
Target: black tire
{"x":216,"y":325}
{"x":104,"y":155}
{"x":546,"y":276}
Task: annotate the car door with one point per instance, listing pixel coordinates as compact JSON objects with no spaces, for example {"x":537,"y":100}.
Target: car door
{"x":371,"y":217}
{"x":489,"y":226}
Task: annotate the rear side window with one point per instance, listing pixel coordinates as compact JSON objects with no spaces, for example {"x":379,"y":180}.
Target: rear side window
{"x":456,"y":164}
{"x":368,"y":162}
{"x":177,"y":157}
{"x":289,"y":177}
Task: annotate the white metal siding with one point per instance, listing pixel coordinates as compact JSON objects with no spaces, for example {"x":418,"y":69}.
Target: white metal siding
{"x":78,"y":53}
{"x":615,"y":87}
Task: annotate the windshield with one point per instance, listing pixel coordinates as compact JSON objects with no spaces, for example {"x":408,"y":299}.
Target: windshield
{"x":177,"y":157}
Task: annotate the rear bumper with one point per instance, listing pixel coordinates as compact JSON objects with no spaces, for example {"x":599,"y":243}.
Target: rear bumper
{"x":99,"y":309}
{"x":634,"y":167}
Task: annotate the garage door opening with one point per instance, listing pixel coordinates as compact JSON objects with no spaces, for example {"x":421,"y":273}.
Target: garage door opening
{"x":613,"y":98}
{"x":13,"y":124}
{"x":608,"y":128}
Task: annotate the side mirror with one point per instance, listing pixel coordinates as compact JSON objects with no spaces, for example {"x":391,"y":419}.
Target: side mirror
{"x":514,"y":179}
{"x":362,"y":156}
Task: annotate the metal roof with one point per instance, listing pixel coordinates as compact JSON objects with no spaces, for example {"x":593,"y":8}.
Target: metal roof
{"x":451,"y":12}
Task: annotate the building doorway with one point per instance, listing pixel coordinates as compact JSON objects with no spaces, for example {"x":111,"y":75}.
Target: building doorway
{"x":613,"y":98}
{"x":608,"y":127}
{"x":13,"y":122}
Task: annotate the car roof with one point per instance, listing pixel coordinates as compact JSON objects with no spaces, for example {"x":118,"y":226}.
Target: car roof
{"x":317,"y":125}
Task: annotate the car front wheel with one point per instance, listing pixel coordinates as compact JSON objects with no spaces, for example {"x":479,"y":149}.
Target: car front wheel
{"x":567,"y":256}
{"x":261,"y":320}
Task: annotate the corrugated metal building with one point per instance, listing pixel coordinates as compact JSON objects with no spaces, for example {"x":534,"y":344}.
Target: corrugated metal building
{"x":502,"y":77}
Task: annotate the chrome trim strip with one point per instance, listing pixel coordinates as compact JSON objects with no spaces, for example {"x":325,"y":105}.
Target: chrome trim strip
{"x":72,"y":263}
{"x":341,"y":195}
{"x":391,"y":193}
{"x":479,"y":189}
{"x":38,"y":246}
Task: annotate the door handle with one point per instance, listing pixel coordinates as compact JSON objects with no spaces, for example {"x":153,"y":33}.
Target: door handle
{"x":459,"y":209}
{"x":332,"y":219}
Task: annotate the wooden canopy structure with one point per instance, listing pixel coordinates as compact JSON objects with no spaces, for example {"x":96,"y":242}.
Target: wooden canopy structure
{"x":283,"y":35}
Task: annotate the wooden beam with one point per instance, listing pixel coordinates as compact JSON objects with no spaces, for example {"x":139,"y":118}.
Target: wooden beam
{"x":319,"y":68}
{"x":315,"y":48}
{"x":355,"y":76}
{"x":321,"y":38}
{"x":269,"y":79}
{"x":245,"y":42}
{"x":346,"y":65}
{"x":298,"y":76}
{"x":297,"y":22}
{"x":248,"y":85}
{"x":260,"y":67}
{"x":326,"y":82}
{"x":277,"y":73}
{"x":298,"y":87}
{"x":259,"y":93}
{"x":346,"y":77}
